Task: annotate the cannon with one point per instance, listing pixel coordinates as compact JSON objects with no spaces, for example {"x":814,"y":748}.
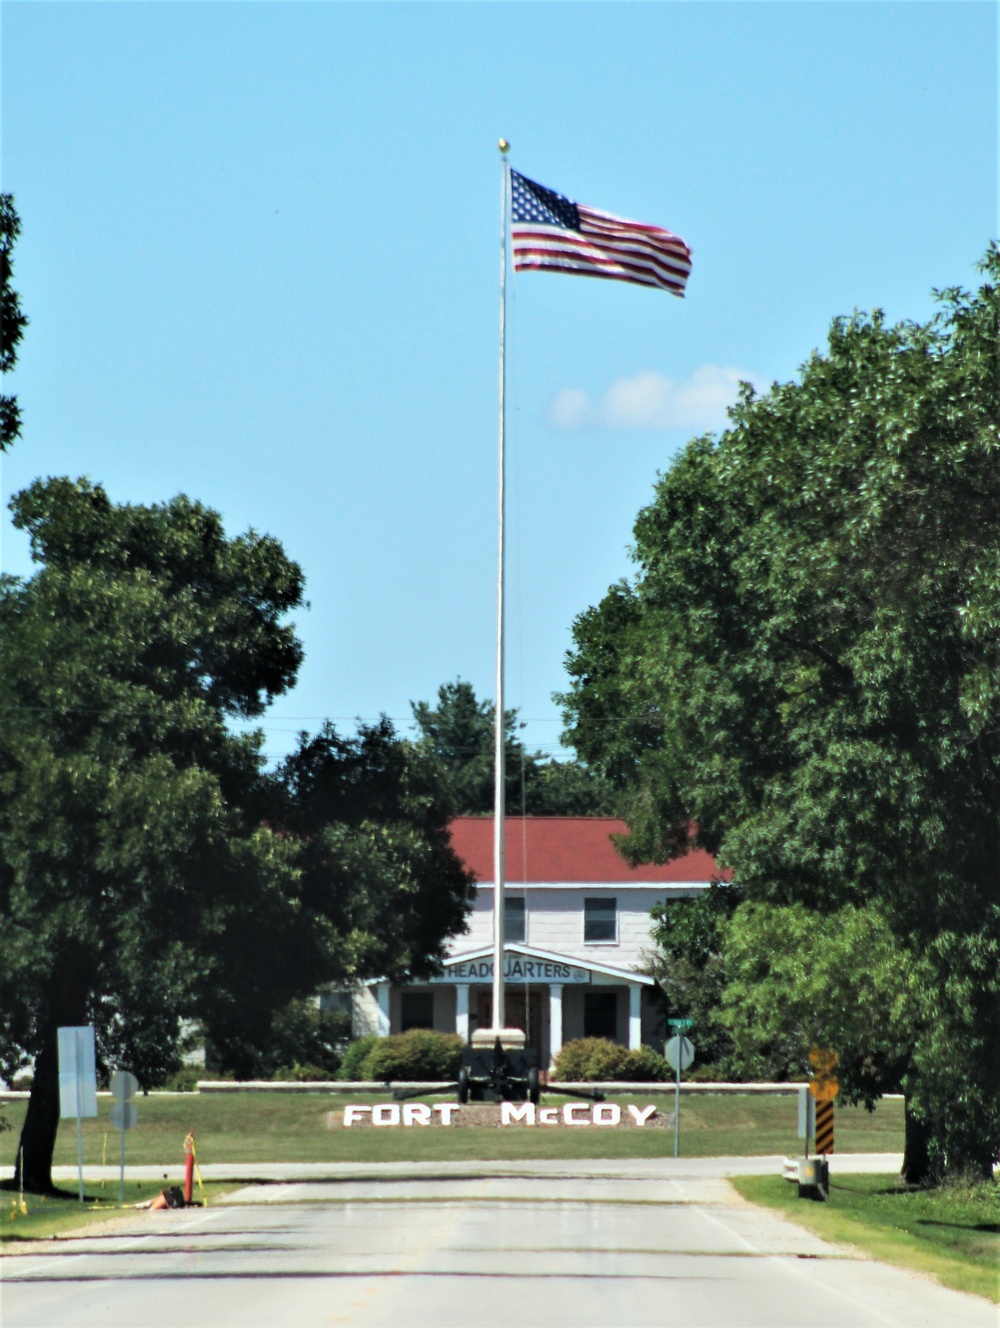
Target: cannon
{"x":498,"y":1067}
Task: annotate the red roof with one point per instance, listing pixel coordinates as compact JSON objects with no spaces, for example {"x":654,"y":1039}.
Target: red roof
{"x":566,"y":848}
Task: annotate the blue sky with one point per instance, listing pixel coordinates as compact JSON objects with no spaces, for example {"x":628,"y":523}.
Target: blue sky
{"x":260,"y":259}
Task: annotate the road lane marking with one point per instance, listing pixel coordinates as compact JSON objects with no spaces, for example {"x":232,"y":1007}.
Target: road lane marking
{"x":789,"y":1264}
{"x":24,"y":1275}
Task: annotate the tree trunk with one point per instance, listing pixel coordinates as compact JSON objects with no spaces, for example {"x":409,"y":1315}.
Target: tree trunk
{"x":916,"y":1169}
{"x":67,"y":1007}
{"x":33,"y":1166}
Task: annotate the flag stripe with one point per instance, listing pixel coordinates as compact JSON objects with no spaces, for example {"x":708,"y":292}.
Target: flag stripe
{"x":604,"y":267}
{"x":538,"y":235}
{"x":589,"y":270}
{"x":604,"y":220}
{"x":578,"y":252}
{"x":600,"y":254}
{"x":667,"y":245}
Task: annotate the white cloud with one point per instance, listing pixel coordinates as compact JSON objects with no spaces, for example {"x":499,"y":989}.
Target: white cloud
{"x":651,"y":401}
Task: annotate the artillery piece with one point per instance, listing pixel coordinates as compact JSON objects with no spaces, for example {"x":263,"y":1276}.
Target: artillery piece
{"x":498,"y":1067}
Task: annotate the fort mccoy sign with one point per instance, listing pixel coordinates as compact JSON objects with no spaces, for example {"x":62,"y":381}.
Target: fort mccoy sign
{"x":506,"y":1113}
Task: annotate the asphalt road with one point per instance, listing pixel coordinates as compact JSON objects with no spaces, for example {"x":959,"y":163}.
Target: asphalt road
{"x":614,"y":1244}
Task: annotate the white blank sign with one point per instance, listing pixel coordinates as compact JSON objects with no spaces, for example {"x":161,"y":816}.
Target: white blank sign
{"x":77,"y":1072}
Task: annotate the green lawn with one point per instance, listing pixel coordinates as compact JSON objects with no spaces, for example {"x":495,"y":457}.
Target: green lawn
{"x":275,"y":1127}
{"x":952,"y":1233}
{"x":48,"y":1217}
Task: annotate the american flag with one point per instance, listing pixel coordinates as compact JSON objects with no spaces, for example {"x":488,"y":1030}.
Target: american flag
{"x":552,"y":234}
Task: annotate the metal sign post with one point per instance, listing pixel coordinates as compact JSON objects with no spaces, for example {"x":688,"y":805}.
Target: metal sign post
{"x":807,"y":1118}
{"x":678,"y":1053}
{"x":124,"y":1114}
{"x":77,"y":1082}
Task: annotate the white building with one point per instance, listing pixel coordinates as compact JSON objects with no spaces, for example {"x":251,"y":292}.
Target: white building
{"x":577,"y":925}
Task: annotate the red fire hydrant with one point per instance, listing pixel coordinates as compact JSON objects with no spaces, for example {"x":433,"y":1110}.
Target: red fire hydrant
{"x":189,"y":1167}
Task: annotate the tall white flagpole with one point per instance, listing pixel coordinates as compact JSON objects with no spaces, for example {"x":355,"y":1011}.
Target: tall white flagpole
{"x":500,"y":773}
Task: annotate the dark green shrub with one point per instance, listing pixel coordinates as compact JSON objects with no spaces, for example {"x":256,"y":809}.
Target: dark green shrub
{"x":418,"y":1054}
{"x":597,"y":1060}
{"x":353,"y":1061}
{"x":645,"y":1066}
{"x":709,"y":1074}
{"x":184,"y":1080}
{"x":303,"y":1035}
{"x":301,"y":1074}
{"x":590,"y":1059}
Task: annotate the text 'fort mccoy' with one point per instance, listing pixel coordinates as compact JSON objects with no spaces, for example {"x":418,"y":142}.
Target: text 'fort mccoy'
{"x":511,"y":1113}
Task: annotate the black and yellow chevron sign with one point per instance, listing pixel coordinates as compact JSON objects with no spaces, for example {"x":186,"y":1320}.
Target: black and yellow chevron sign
{"x":824,"y":1127}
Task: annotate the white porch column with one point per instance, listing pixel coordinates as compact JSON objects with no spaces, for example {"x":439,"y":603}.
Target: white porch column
{"x":555,"y":1020}
{"x":462,"y":1010}
{"x":382,"y":995}
{"x":634,"y":1016}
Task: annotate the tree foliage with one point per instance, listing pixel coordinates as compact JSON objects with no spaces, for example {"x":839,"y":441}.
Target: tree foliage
{"x":304,"y":1042}
{"x":372,"y":818}
{"x":150,"y":869}
{"x":805,"y":669}
{"x":458,"y":734}
{"x":798,"y":978}
{"x":12,"y":320}
{"x":689,"y":964}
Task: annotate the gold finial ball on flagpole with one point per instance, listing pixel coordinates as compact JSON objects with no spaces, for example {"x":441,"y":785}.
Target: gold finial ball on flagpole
{"x":504,"y":146}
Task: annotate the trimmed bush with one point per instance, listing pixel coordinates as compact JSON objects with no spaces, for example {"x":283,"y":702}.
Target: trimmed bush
{"x":301,"y":1074}
{"x":589,"y":1059}
{"x":598,"y":1060}
{"x":185,"y":1080}
{"x":645,"y":1066}
{"x":419,"y":1054}
{"x":352,"y":1063}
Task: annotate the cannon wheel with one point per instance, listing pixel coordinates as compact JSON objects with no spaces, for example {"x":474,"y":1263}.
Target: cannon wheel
{"x":463,"y":1084}
{"x":534,"y":1086}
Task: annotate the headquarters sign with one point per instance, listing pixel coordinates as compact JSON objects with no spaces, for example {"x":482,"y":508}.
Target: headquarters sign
{"x":516,"y":968}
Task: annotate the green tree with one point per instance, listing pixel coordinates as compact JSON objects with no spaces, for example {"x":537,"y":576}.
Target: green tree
{"x":689,"y":965}
{"x":805,"y":671}
{"x":797,"y":979}
{"x":129,"y":840}
{"x":303,"y":1041}
{"x":12,"y":320}
{"x":459,"y":735}
{"x":371,"y":817}
{"x":150,"y":869}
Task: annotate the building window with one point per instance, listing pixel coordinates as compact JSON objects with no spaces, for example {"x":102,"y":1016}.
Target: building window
{"x":600,"y":1014}
{"x":513,"y":919}
{"x":600,"y":920}
{"x":416,"y":1010}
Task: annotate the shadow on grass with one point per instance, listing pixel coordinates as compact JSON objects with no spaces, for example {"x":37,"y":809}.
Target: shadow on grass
{"x":993,"y":1227}
{"x":9,"y":1187}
